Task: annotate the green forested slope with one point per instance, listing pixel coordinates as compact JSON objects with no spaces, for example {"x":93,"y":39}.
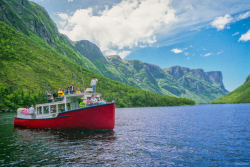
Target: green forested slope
{"x":33,"y":20}
{"x":239,"y":95}
{"x":33,"y":65}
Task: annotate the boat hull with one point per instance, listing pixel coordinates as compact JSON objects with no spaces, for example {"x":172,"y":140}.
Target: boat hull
{"x":95,"y":117}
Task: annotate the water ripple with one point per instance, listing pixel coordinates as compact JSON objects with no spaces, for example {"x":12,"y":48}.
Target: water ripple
{"x":202,"y":135}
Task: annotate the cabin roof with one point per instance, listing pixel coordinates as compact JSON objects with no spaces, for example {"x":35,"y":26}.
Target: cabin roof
{"x":71,"y":96}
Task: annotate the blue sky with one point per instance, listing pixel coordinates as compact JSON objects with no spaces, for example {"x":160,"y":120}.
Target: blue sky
{"x":207,"y":34}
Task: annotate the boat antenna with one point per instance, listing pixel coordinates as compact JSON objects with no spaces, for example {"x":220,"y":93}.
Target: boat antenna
{"x":82,"y":76}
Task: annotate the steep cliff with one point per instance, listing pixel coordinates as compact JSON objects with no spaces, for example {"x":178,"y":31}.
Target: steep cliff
{"x":143,"y":76}
{"x":197,"y":84}
{"x":247,"y":79}
{"x":33,"y":20}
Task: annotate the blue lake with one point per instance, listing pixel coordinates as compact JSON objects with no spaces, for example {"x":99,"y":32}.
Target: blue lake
{"x":201,"y":135}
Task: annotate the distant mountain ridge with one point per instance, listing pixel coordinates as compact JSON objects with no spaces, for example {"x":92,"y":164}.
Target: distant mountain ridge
{"x":176,"y":81}
{"x":194,"y":84}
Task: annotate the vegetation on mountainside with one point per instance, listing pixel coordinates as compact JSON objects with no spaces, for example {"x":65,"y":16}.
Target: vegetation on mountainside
{"x":203,"y":92}
{"x":239,"y":95}
{"x":247,"y":79}
{"x":30,"y":66}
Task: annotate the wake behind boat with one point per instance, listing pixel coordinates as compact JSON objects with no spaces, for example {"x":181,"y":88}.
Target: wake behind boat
{"x":67,"y":114}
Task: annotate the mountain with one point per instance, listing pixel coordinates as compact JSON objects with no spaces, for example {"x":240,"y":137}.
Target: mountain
{"x":33,"y":20}
{"x":29,"y":64}
{"x":194,"y":84}
{"x":239,"y":95}
{"x":197,"y":84}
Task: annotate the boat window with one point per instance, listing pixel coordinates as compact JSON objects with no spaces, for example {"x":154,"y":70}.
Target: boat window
{"x":53,"y":108}
{"x":39,"y":110}
{"x":69,"y":107}
{"x":45,"y":109}
{"x":61,"y":107}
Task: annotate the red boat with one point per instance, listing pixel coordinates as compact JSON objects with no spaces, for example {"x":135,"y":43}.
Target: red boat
{"x":67,"y":114}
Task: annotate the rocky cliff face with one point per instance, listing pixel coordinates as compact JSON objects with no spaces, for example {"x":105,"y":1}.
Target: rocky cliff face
{"x":180,"y":81}
{"x":114,"y":59}
{"x":153,"y":68}
{"x":26,"y":13}
{"x":28,"y":17}
{"x":89,"y":50}
{"x":247,"y":79}
{"x":143,"y":75}
{"x":11,"y":18}
{"x":214,"y":76}
{"x":176,"y":71}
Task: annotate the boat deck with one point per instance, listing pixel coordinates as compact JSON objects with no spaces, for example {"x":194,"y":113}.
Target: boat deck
{"x":51,"y":110}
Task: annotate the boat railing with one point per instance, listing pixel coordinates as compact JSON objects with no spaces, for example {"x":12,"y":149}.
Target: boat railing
{"x":69,"y":102}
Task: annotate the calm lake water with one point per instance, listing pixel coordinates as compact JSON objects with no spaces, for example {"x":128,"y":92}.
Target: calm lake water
{"x":202,"y":135}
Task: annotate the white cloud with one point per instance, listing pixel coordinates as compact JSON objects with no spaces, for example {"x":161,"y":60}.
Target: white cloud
{"x":203,"y":48}
{"x":245,"y":37}
{"x":189,"y":6}
{"x":176,"y":50}
{"x":126,"y":25}
{"x":186,"y":53}
{"x":244,"y":16}
{"x":63,"y":16}
{"x":188,"y":58}
{"x":235,"y":33}
{"x":70,"y":0}
{"x":220,"y":52}
{"x":208,"y":54}
{"x":142,"y":46}
{"x":62,"y":23}
{"x":114,"y":28}
{"x":221,"y":22}
{"x":122,"y":54}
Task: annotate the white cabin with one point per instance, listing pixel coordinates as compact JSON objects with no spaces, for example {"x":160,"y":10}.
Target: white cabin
{"x":47,"y":110}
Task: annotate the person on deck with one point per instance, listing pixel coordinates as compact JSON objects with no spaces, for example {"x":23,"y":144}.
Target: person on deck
{"x":68,"y":91}
{"x":48,"y":93}
{"x":26,"y":110}
{"x":93,"y":84}
{"x":82,"y":91}
{"x":72,"y":88}
{"x":93,"y":100}
{"x":60,"y":93}
{"x":63,"y":90}
{"x":101,"y":101}
{"x":31,"y":110}
{"x":88,"y":102}
{"x":82,"y":103}
{"x":78,"y":91}
{"x":55,"y":95}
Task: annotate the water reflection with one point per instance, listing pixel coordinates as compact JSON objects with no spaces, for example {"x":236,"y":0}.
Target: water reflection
{"x":101,"y":135}
{"x":64,"y":146}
